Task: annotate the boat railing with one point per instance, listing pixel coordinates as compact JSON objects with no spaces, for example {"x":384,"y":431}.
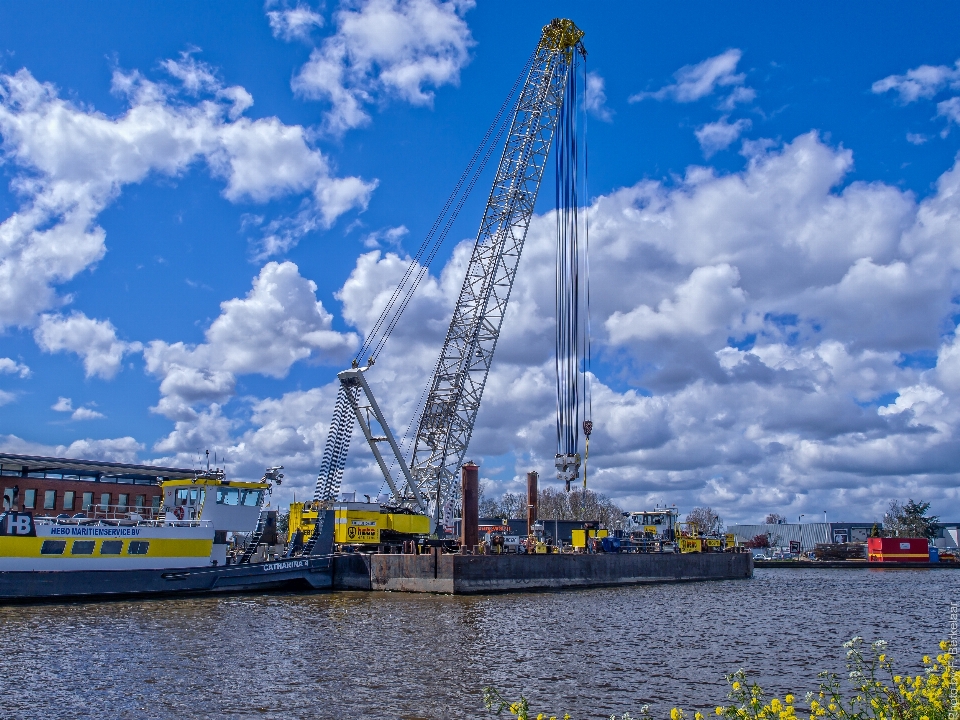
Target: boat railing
{"x":125,"y":521}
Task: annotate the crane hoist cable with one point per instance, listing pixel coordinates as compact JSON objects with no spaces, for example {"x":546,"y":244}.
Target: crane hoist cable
{"x":588,"y":333}
{"x":571,"y":286}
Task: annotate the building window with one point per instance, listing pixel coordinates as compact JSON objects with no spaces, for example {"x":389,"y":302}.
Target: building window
{"x":122,"y":502}
{"x":10,"y":497}
{"x":138,"y":547}
{"x":140,"y":502}
{"x":111,"y":547}
{"x":155,"y":503}
{"x":53,"y":547}
{"x":30,"y":498}
{"x":87,"y":501}
{"x":49,"y":499}
{"x":82,"y":547}
{"x":104,"y":501}
{"x":68,"y":497}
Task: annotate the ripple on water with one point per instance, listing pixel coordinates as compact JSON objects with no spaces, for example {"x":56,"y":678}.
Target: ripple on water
{"x":365,"y":655}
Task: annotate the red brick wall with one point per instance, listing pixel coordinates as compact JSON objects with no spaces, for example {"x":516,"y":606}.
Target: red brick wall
{"x":61,"y":487}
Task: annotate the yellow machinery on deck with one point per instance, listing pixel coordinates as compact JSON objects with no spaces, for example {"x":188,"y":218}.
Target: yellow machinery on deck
{"x":691,"y":540}
{"x":357,"y":523}
{"x":302,"y":519}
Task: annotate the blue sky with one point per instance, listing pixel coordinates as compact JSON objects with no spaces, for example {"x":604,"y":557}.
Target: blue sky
{"x":202,"y":205}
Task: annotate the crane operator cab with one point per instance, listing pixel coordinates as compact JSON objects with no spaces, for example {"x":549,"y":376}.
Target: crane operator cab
{"x":654,"y":530}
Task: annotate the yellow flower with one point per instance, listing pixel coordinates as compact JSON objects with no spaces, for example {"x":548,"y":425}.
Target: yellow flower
{"x":775,"y":705}
{"x":882,"y":657}
{"x":831,"y":707}
{"x":924,"y":717}
{"x":697,"y":716}
{"x":719,"y":710}
{"x":896,"y":679}
{"x":674,"y":714}
{"x":789,"y":699}
{"x":944,"y":645}
{"x":540,"y":716}
{"x":926,"y":659}
{"x":736,"y":686}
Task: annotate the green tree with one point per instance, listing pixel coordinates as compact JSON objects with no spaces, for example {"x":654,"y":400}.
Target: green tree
{"x":909,"y":519}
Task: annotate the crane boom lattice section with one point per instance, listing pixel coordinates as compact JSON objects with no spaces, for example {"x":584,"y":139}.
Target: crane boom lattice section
{"x":461,"y":374}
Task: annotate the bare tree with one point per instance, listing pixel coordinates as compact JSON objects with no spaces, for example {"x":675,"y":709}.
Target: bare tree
{"x":774,"y":519}
{"x":554,"y":504}
{"x":706,"y":520}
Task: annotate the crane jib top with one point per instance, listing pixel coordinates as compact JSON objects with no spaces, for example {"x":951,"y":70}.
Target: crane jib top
{"x":562,"y":35}
{"x":455,"y":390}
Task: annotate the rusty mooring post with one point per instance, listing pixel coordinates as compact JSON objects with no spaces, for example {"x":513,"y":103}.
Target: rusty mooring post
{"x":532,"y":478}
{"x":470,"y":481}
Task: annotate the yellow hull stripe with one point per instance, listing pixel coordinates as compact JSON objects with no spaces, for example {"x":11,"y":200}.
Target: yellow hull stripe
{"x":29,"y":547}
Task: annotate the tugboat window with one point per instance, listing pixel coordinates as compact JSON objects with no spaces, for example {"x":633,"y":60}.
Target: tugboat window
{"x":68,"y":497}
{"x":138,"y":547}
{"x":250,"y":498}
{"x":82,"y":547}
{"x":53,"y":547}
{"x":228,"y":496}
{"x":111,"y":547}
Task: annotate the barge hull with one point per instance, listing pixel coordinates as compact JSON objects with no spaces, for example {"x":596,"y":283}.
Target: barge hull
{"x":472,"y":574}
{"x":314,"y":573}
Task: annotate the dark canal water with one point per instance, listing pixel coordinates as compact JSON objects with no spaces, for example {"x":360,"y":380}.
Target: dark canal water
{"x":365,"y":655}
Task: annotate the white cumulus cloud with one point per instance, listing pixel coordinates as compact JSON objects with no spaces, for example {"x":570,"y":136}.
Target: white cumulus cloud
{"x":278,"y":323}
{"x":595,"y":97}
{"x":72,"y":161}
{"x":694,"y":82}
{"x":64,"y":404}
{"x":294,"y":23}
{"x":924,"y":81}
{"x":383,"y":49}
{"x":95,"y":341}
{"x":12,"y":367}
{"x":718,"y":135}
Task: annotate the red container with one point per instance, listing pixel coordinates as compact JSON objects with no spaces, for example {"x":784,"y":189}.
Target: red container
{"x":898,"y":550}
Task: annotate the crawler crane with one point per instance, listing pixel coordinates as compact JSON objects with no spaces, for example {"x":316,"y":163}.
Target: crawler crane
{"x":429,"y":482}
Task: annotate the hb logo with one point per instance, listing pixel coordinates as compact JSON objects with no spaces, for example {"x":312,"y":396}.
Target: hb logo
{"x":16,"y":523}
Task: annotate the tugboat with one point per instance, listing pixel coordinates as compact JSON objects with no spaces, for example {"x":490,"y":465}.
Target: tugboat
{"x":182,"y":549}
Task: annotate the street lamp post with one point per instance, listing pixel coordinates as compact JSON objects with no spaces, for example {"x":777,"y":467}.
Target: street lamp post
{"x":800,"y":522}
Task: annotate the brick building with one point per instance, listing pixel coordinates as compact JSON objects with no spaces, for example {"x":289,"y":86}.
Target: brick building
{"x":57,"y":486}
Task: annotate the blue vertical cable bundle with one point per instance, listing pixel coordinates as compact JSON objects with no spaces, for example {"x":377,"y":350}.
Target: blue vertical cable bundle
{"x":568,"y":273}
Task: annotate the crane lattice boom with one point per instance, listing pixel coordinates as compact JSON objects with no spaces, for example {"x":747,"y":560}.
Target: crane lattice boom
{"x":456,"y":387}
{"x":458,"y":382}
